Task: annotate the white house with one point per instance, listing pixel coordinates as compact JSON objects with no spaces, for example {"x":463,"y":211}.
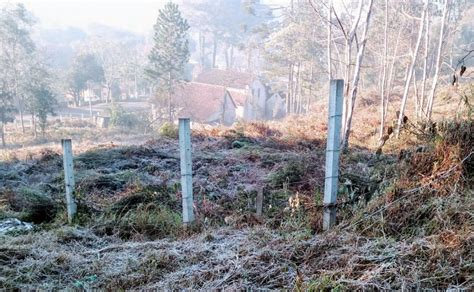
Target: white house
{"x":262,"y":104}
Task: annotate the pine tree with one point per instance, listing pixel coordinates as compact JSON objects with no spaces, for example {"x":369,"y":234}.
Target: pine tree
{"x":44,"y":104}
{"x":170,"y":53}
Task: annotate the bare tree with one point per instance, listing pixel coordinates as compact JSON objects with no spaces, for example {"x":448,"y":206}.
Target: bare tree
{"x":384,"y":74}
{"x":329,"y":39}
{"x":425,"y":67}
{"x":442,"y":32}
{"x":412,"y":67}
{"x":355,"y":80}
{"x":349,"y":38}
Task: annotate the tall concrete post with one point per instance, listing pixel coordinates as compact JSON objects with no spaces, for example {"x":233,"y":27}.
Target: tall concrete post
{"x":332,"y":152}
{"x":186,"y":169}
{"x":69,"y":179}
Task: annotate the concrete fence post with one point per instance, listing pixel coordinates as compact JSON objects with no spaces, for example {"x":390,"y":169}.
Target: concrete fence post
{"x":332,"y":152}
{"x":186,"y":169}
{"x":69,"y":179}
{"x":259,"y":202}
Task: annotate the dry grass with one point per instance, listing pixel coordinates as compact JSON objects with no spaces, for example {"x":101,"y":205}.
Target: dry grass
{"x":405,"y":219}
{"x":236,"y":259}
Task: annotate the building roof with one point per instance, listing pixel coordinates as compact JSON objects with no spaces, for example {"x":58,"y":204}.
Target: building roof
{"x":227,"y":78}
{"x":199,"y":101}
{"x":239,"y":96}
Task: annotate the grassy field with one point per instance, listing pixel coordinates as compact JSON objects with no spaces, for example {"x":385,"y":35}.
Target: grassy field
{"x":404,"y":216}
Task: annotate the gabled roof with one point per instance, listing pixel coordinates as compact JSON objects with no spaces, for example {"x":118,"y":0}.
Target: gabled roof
{"x":239,"y":96}
{"x":199,"y":101}
{"x":227,"y":78}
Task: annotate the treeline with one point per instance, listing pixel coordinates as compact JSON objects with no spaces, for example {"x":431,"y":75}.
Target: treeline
{"x":406,"y":47}
{"x":388,"y":47}
{"x":25,"y":80}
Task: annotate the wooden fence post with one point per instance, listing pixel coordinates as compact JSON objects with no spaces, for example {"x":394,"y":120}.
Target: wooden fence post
{"x":186,"y":169}
{"x":332,"y":152}
{"x":69,"y":179}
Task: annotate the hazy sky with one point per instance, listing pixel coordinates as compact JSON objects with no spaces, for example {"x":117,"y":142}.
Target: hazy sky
{"x":135,"y":15}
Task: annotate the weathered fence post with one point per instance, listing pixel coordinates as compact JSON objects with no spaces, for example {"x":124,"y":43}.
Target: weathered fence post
{"x":69,"y":178}
{"x":186,"y":169}
{"x":332,"y":152}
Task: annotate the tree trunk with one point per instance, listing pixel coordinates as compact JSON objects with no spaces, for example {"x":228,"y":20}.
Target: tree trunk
{"x":170,"y":90}
{"x":411,"y":69}
{"x":290,"y":87}
{"x":329,"y":41}
{"x":2,"y":130}
{"x":415,"y":89}
{"x":135,"y":83}
{"x":391,"y":73}
{"x":231,"y":56}
{"x":21,"y":119}
{"x":346,"y":78}
{"x":384,"y":74}
{"x":429,"y":109}
{"x":296,"y":93}
{"x":20,"y":103}
{"x":33,"y":121}
{"x":425,"y":67}
{"x":249,"y":59}
{"x":349,"y":40}
{"x":214,"y":52}
{"x":227,"y":60}
{"x":201,"y":48}
{"x":109,"y":94}
{"x":308,"y":99}
{"x":355,"y":81}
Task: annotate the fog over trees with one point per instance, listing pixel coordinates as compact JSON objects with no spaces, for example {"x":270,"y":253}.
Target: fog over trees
{"x":403,"y":48}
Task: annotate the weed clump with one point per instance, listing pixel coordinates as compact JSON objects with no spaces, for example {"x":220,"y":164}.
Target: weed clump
{"x":146,"y":221}
{"x":290,"y":173}
{"x":146,"y":213}
{"x":169,"y":130}
{"x":122,"y":119}
{"x":32,"y":205}
{"x":432,"y":192}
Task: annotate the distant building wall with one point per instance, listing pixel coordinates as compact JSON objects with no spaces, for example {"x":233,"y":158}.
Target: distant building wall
{"x":229,"y":114}
{"x":276,"y":108}
{"x":256,"y":102}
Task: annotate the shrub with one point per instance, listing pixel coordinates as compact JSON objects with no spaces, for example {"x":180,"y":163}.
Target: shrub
{"x":290,"y":173}
{"x":33,"y":205}
{"x":122,"y":119}
{"x":169,"y":130}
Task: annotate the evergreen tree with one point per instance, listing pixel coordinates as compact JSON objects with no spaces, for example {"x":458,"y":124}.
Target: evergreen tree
{"x":16,"y":47}
{"x":44,"y":103}
{"x":170,"y":53}
{"x":85,"y":68}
